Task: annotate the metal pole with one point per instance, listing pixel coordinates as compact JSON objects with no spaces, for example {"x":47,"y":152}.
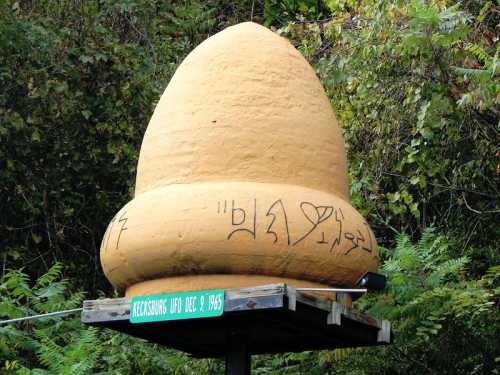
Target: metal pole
{"x":238,"y":359}
{"x":33,"y":317}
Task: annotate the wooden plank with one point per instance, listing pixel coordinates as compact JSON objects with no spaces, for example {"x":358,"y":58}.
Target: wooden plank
{"x":291,"y":294}
{"x":103,"y":310}
{"x":263,"y":290}
{"x":253,"y":303}
{"x":335,"y":315}
{"x":240,"y":299}
{"x":106,"y":303}
{"x":268,"y":297}
{"x":312,"y":300}
{"x":309,"y":314}
{"x":384,"y":334}
{"x":340,"y":310}
{"x":363,"y":318}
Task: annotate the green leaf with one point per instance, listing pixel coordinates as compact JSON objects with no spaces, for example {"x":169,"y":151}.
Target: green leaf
{"x":86,"y":59}
{"x":426,"y":132}
{"x":100,"y":57}
{"x":36,"y":238}
{"x":61,"y":87}
{"x":35,"y":136}
{"x":415,"y":180}
{"x":86,"y":113}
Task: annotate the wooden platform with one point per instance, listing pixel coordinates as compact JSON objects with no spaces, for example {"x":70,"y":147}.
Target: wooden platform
{"x":266,"y":319}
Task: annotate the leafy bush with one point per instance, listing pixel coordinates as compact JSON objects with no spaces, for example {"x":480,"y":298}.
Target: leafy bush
{"x":416,"y":89}
{"x":415,"y":86}
{"x":79,"y":81}
{"x":55,"y":345}
{"x":443,"y":323}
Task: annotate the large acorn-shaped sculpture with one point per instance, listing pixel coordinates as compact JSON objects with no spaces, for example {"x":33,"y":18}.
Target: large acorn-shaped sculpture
{"x":241,"y":180}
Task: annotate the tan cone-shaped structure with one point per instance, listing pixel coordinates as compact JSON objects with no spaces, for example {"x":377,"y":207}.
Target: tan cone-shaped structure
{"x":241,"y":179}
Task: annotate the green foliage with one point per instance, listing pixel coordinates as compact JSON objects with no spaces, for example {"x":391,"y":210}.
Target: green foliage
{"x":416,"y":90}
{"x":433,"y":306}
{"x":79,"y":81}
{"x":415,"y":86}
{"x":443,"y":323}
{"x":67,"y":347}
{"x":435,"y":309}
{"x":279,"y":12}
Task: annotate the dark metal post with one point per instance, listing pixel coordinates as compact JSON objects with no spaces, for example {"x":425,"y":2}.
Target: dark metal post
{"x":238,"y":359}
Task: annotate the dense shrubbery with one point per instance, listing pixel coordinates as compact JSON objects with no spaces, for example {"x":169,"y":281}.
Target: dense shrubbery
{"x":433,"y":307}
{"x":443,"y":323}
{"x":416,"y":90}
{"x":79,"y":81}
{"x":64,"y":345}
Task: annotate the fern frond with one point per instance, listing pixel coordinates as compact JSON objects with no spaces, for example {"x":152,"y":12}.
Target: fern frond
{"x":75,"y":300}
{"x":479,"y":53}
{"x":402,"y":242}
{"x":50,"y":354}
{"x":55,"y":289}
{"x":449,"y":267}
{"x":432,"y":248}
{"x":391,"y":266}
{"x":491,"y":275}
{"x":54,"y":273}
{"x":82,"y":367}
{"x":88,"y":337}
{"x":474,"y":73}
{"x":16,"y":283}
{"x":427,"y":238}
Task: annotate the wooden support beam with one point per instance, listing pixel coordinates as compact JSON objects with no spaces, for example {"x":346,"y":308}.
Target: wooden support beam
{"x":274,"y":318}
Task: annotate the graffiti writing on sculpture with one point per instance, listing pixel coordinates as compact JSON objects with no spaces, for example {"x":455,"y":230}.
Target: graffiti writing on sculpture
{"x":122,"y":221}
{"x":326,"y":225}
{"x":239,"y":218}
{"x":276,"y":212}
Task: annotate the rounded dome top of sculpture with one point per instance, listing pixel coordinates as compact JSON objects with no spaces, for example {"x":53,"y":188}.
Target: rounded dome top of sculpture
{"x":244,"y":106}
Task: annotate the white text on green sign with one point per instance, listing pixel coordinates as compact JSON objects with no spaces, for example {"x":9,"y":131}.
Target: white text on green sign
{"x":190,"y":305}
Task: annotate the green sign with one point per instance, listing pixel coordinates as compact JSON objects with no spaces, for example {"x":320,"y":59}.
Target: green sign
{"x":190,"y":305}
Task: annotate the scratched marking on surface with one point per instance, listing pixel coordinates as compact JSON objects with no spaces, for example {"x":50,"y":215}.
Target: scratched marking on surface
{"x":123,"y":220}
{"x":325,"y":226}
{"x":243,"y":219}
{"x":279,"y":213}
{"x":107,"y":234}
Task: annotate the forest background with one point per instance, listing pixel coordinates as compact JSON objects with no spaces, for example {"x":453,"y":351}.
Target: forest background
{"x":415,"y":86}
